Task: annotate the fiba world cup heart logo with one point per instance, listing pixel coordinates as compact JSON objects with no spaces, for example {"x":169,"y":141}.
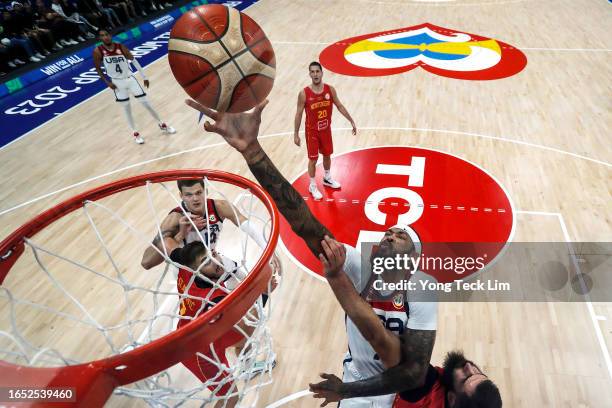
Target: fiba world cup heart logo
{"x":438,"y":50}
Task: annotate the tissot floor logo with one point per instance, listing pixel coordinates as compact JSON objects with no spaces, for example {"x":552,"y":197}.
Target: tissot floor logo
{"x":439,"y":50}
{"x":442,"y":197}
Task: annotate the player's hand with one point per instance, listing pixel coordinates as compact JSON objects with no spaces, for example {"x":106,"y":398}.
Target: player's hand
{"x":296,"y":140}
{"x":240,"y":130}
{"x":334,"y":257}
{"x":146,"y":84}
{"x":111,"y":85}
{"x":330,"y":389}
{"x":186,"y":223}
{"x":184,"y":226}
{"x":354,"y":130}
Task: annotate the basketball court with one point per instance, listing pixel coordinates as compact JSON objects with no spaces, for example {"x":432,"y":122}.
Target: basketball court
{"x":519,"y":153}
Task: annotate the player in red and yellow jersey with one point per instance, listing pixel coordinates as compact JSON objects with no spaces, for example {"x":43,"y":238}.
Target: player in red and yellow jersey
{"x":199,"y":294}
{"x":317,"y":100}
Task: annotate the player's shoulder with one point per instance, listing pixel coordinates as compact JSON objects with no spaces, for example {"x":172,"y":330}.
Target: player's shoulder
{"x":174,"y":215}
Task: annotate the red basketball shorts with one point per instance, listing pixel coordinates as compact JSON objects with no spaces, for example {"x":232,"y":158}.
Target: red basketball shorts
{"x":319,"y":141}
{"x":206,"y":370}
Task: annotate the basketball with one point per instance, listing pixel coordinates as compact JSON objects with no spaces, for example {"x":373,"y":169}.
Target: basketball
{"x":222,"y":58}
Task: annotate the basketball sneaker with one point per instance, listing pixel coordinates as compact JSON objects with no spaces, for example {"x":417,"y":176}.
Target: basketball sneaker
{"x":314,"y":191}
{"x":331,"y":183}
{"x":169,"y":130}
{"x":137,"y":138}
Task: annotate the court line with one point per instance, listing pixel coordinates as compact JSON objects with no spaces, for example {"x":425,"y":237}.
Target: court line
{"x":85,"y":100}
{"x":289,"y":398}
{"x":588,"y":302}
{"x":453,"y":132}
{"x":518,"y":47}
{"x":71,"y":108}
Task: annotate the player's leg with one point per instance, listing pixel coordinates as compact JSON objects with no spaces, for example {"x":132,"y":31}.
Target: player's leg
{"x":123,"y":97}
{"x":327,"y":148}
{"x":141,"y":96}
{"x":312,"y":147}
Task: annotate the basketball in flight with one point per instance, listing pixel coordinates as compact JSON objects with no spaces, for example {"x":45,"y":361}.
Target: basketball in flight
{"x":222,"y":58}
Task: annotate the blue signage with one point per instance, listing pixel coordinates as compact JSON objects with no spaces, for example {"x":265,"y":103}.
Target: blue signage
{"x":53,"y":89}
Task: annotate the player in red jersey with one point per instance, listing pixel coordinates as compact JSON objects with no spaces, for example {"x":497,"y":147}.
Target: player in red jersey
{"x":116,"y":59}
{"x":223,"y":275}
{"x":317,"y":100}
{"x":208,"y":216}
{"x":458,"y":384}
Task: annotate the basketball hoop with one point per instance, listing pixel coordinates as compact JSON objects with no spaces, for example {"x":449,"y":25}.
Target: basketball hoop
{"x":93,"y":382}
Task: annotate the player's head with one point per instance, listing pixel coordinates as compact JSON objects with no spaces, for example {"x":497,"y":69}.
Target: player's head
{"x":192,"y":194}
{"x":315,"y":70}
{"x":194,"y":255}
{"x":105,"y":37}
{"x":466,"y":385}
{"x":398,"y":240}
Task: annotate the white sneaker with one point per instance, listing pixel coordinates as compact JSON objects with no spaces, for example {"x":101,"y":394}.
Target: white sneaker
{"x":331,"y":183}
{"x":72,"y":42}
{"x":39,"y":55}
{"x":11,"y":64}
{"x":314,"y":191}
{"x":137,"y":138}
{"x":34,"y":59}
{"x":18,"y":61}
{"x":59,"y":46}
{"x":80,"y":38}
{"x":169,"y":130}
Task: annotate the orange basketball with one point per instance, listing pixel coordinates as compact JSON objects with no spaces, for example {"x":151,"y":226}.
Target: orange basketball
{"x":222,"y":58}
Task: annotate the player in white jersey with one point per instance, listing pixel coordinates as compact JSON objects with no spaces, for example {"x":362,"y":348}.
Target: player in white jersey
{"x":207,"y":215}
{"x":116,"y":59}
{"x":240,"y":130}
{"x":397,"y":311}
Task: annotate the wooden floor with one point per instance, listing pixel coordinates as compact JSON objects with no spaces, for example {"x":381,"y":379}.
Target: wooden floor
{"x":544,"y":133}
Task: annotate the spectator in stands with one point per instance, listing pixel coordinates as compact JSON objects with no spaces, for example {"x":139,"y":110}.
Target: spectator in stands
{"x":26,"y":18}
{"x":12,"y":55}
{"x":121,"y":8}
{"x":69,"y":13}
{"x":90,"y":11}
{"x":16,"y":37}
{"x":66,"y":31}
{"x":110,"y":14}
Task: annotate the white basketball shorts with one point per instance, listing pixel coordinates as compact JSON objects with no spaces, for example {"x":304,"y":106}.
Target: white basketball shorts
{"x":351,"y":374}
{"x":127,"y":86}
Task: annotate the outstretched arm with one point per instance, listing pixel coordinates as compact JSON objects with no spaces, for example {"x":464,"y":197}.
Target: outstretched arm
{"x":240,"y":130}
{"x":416,"y":348}
{"x":384,"y":342}
{"x":342,"y":109}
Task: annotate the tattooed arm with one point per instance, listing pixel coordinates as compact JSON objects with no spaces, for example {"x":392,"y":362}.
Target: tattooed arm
{"x":240,"y":130}
{"x":416,"y":348}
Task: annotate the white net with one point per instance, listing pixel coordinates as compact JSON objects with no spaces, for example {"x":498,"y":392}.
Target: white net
{"x":79,"y":293}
